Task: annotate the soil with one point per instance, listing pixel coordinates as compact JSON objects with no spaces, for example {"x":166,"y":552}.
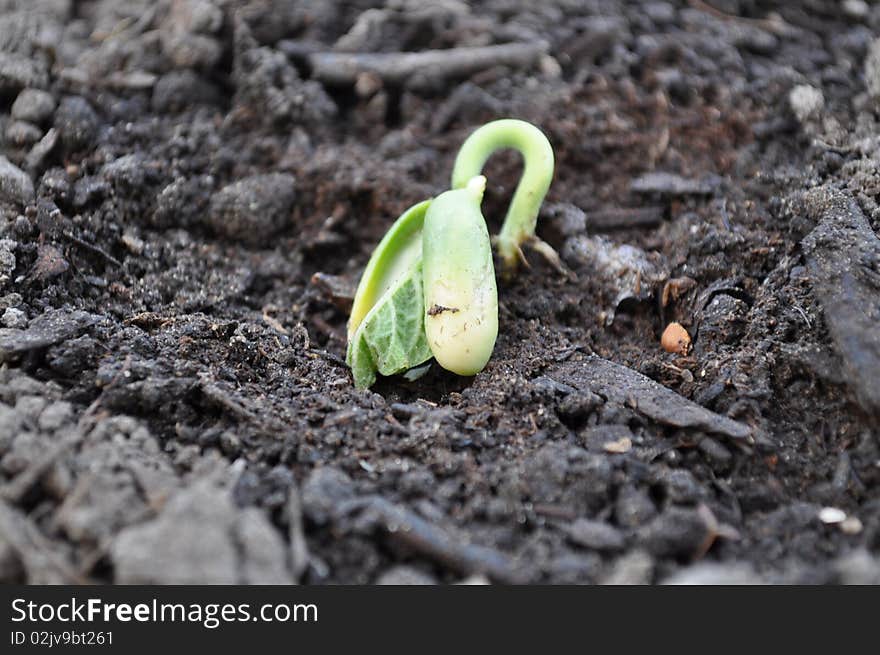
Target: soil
{"x":187,"y":197}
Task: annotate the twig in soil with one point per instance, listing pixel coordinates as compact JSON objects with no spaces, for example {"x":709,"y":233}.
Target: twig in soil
{"x":409,"y":529}
{"x":774,"y":25}
{"x":330,"y":357}
{"x":625,"y":386}
{"x":419,"y":68}
{"x":842,"y":255}
{"x":617,"y":219}
{"x":97,"y":250}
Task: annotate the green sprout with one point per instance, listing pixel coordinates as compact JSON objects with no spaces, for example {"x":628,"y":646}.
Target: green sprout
{"x":522,"y":215}
{"x":458,"y":278}
{"x":429,"y":288}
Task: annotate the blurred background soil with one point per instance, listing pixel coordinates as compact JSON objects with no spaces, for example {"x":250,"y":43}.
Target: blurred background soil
{"x":189,"y":190}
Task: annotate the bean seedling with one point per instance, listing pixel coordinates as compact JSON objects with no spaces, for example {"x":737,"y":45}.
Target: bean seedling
{"x":429,"y":288}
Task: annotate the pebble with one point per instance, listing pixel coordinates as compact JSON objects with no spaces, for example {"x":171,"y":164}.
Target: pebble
{"x":178,"y":90}
{"x":596,"y":535}
{"x":576,"y":407}
{"x":565,"y":218}
{"x":323,"y":490}
{"x":22,"y":133}
{"x":633,"y":507}
{"x":18,"y":72}
{"x":55,"y":415}
{"x":633,"y":568}
{"x":252,"y":210}
{"x":807,"y":102}
{"x":201,"y":537}
{"x":7,"y":259}
{"x":832,"y":515}
{"x":55,"y":184}
{"x":42,"y":149}
{"x":677,"y":532}
{"x":192,"y":50}
{"x":14,"y":318}
{"x":662,"y":13}
{"x":34,"y":106}
{"x":404,"y":575}
{"x":710,"y":573}
{"x":872,"y":69}
{"x":856,"y":8}
{"x":16,"y":186}
{"x":76,"y":122}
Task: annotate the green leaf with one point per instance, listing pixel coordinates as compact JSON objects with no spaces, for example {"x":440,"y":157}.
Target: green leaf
{"x":386,"y":331}
{"x":391,"y":338}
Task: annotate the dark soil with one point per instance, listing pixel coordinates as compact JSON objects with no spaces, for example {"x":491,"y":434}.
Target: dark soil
{"x":187,"y":198}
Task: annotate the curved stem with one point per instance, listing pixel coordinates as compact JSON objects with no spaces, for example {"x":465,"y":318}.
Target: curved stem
{"x":522,"y":215}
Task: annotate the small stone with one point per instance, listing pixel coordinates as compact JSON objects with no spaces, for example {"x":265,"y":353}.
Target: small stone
{"x":10,"y":300}
{"x":55,"y":184}
{"x":856,"y":8}
{"x":576,"y":407}
{"x":179,"y":90}
{"x":51,"y":327}
{"x":133,"y":243}
{"x":681,"y":486}
{"x":633,"y":507}
{"x":16,"y":186}
{"x":675,"y":533}
{"x":34,"y":106}
{"x":807,"y":102}
{"x":851,"y":525}
{"x":14,"y":318}
{"x":22,"y":134}
{"x":633,"y":568}
{"x":596,"y":535}
{"x":662,"y":13}
{"x":42,"y":149}
{"x":76,"y":122}
{"x":126,"y":174}
{"x":50,"y":262}
{"x":188,"y":543}
{"x":230,"y":444}
{"x":323,"y":490}
{"x":22,"y":228}
{"x":618,"y":447}
{"x":872,"y":69}
{"x":7,"y":259}
{"x":30,"y":406}
{"x":404,"y":575}
{"x":252,"y":210}
{"x":89,"y":189}
{"x":832,"y":515}
{"x":715,"y":574}
{"x":597,"y":437}
{"x":564,"y":218}
{"x":205,"y":17}
{"x":18,"y":72}
{"x":187,"y":50}
{"x":55,"y":415}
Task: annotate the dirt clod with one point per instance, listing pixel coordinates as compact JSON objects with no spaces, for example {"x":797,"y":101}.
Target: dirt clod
{"x":189,"y":192}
